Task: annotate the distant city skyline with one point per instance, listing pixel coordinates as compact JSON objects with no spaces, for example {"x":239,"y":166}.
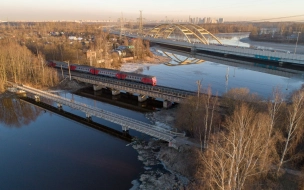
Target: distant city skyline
{"x":234,"y":10}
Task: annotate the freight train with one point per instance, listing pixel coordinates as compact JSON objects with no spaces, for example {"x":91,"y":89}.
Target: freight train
{"x":146,"y":79}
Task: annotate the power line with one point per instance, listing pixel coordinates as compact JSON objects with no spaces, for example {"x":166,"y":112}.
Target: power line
{"x":276,"y":18}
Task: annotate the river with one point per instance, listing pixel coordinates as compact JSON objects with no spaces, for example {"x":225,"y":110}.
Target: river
{"x":41,"y":150}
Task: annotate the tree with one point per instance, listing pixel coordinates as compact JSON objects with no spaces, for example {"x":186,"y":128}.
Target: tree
{"x":198,"y":116}
{"x":234,"y":97}
{"x":234,"y":155}
{"x":292,"y":128}
{"x":210,"y":116}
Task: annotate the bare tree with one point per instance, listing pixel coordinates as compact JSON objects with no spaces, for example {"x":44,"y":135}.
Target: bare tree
{"x":234,"y":154}
{"x":293,"y":128}
{"x":273,"y":109}
{"x":236,"y":96}
{"x":210,"y":114}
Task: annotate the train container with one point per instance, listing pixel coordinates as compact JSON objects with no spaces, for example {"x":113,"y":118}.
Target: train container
{"x":83,"y":68}
{"x":146,"y":79}
{"x":107,"y":72}
{"x":59,"y":64}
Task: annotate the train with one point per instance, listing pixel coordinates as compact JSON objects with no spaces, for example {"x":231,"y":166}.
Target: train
{"x":146,"y":79}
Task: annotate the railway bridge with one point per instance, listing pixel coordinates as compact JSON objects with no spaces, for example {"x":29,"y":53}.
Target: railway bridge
{"x":167,"y":94}
{"x":174,"y":138}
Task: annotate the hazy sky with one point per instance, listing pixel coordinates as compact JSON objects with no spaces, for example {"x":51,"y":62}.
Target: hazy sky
{"x":152,"y":9}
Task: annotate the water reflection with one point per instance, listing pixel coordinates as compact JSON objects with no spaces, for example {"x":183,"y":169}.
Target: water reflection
{"x":178,"y":60}
{"x":255,"y":66}
{"x":257,"y":76}
{"x":15,"y":113}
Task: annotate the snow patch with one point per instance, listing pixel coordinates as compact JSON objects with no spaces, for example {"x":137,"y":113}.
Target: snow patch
{"x":135,"y":184}
{"x":147,"y":168}
{"x":162,"y":125}
{"x":133,"y":67}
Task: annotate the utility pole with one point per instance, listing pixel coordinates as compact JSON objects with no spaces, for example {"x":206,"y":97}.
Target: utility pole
{"x":91,"y":58}
{"x":62,"y":72}
{"x":69,"y":70}
{"x":297,"y":43}
{"x":140,"y":27}
{"x":199,"y":85}
{"x":121,"y":26}
{"x":227,"y":79}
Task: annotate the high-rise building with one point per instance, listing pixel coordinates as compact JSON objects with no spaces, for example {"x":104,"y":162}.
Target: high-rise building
{"x":221,"y":20}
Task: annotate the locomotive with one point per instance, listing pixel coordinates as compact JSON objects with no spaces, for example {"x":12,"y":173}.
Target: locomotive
{"x":146,"y":79}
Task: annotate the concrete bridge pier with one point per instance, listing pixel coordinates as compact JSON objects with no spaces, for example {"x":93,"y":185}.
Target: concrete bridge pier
{"x":97,"y":87}
{"x":88,"y":116}
{"x":125,"y":128}
{"x":37,"y":98}
{"x":167,"y":104}
{"x":142,"y":98}
{"x":59,"y":106}
{"x":115,"y":92}
{"x":173,"y":145}
{"x":193,"y":49}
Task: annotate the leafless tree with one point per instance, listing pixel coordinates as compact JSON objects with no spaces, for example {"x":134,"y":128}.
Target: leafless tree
{"x":234,"y":154}
{"x":292,"y":128}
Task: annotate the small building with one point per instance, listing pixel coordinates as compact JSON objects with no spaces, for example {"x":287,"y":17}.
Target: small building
{"x":271,"y":31}
{"x":72,"y":38}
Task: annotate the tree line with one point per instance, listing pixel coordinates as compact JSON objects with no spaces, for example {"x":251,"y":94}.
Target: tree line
{"x":19,"y":65}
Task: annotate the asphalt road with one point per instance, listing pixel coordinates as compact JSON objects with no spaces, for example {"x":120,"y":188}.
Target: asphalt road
{"x":278,"y":46}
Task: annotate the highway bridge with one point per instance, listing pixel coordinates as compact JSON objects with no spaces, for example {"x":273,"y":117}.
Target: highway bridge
{"x":174,"y":138}
{"x":194,"y":38}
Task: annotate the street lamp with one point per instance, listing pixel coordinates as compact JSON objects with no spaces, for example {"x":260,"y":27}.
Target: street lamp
{"x":297,"y":43}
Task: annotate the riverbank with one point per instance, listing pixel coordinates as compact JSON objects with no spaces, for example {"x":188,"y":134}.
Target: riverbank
{"x":165,"y":167}
{"x":275,"y":46}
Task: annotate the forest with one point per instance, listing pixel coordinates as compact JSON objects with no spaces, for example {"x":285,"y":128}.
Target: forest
{"x":246,"y":142}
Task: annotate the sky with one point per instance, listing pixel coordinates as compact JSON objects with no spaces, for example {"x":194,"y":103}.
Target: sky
{"x":233,"y":10}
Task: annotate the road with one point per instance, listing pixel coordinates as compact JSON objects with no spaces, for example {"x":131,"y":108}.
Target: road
{"x":279,"y":46}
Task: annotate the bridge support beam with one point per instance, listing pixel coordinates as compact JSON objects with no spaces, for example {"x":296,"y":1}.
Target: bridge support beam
{"x":37,"y":98}
{"x":115,"y":92}
{"x":167,"y":104}
{"x":97,"y":87}
{"x":142,"y":98}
